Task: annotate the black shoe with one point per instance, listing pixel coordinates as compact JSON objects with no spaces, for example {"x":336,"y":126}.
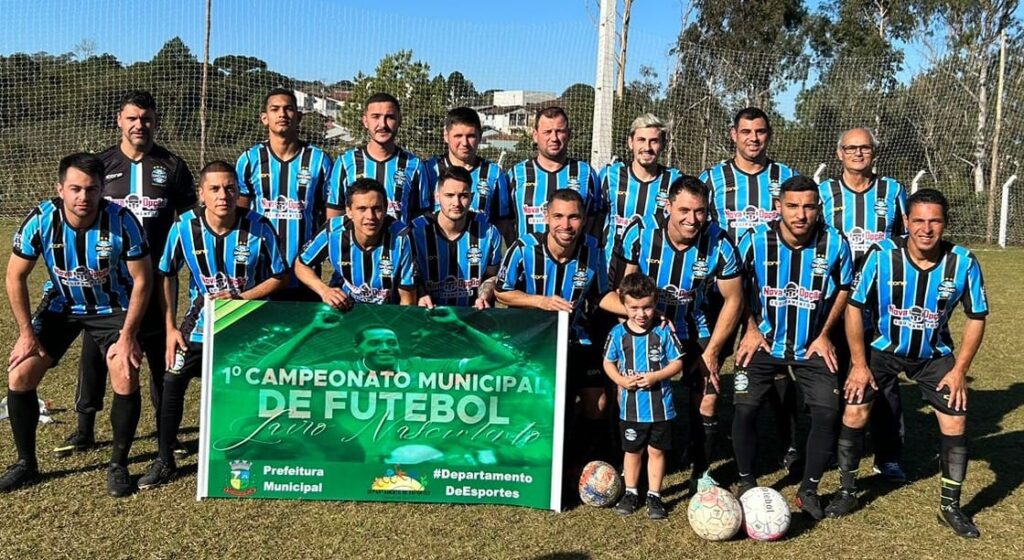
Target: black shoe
{"x":77,"y":442}
{"x":159,"y":473}
{"x":891,"y":472}
{"x":959,"y":522}
{"x":628,"y":504}
{"x":655,"y":509}
{"x":119,"y":484}
{"x":790,"y":459}
{"x":743,"y":486}
{"x":180,"y":449}
{"x":842,"y":504}
{"x":17,"y":475}
{"x":810,"y":503}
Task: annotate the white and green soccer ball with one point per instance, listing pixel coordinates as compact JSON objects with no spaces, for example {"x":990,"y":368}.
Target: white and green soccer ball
{"x":715,"y":514}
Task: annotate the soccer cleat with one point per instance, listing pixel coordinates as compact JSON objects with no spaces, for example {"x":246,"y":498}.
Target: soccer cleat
{"x":959,"y":522}
{"x":702,"y":482}
{"x":628,"y":504}
{"x":655,"y":509}
{"x":790,"y":459}
{"x":119,"y":484}
{"x":810,"y":503}
{"x":843,"y":504}
{"x":77,"y":442}
{"x":159,"y":473}
{"x":180,"y":449}
{"x":17,"y":475}
{"x":891,"y":472}
{"x":743,"y":486}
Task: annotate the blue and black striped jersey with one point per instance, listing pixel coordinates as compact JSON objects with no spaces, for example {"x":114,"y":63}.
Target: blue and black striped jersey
{"x":630,"y":198}
{"x":488,"y":180}
{"x":529,"y":186}
{"x":684,"y":277}
{"x":790,"y":292}
{"x":637,"y":354}
{"x":740,"y":201}
{"x":234,"y":262}
{"x":910,"y":307}
{"x":451,"y":271}
{"x":402,"y":175}
{"x":529,"y":268}
{"x":155,"y":188}
{"x":866,"y":217}
{"x":371,"y":275}
{"x":88,"y":266}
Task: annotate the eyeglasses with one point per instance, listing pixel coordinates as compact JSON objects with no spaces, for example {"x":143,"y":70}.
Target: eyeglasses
{"x":849,"y":150}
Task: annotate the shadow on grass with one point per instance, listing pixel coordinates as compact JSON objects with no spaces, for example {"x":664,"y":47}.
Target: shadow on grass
{"x":563,"y":556}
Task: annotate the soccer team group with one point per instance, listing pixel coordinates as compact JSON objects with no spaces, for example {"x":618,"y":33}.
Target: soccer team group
{"x":834,"y":289}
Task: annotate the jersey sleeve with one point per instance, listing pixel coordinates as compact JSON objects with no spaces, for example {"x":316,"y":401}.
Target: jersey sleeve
{"x":316,"y":249}
{"x":728,"y":259}
{"x":244,"y":170}
{"x":336,"y":185}
{"x":183,"y":190}
{"x":629,"y":248}
{"x":510,"y":275}
{"x":599,"y":201}
{"x":134,"y":244}
{"x":28,"y":238}
{"x":493,"y":247}
{"x":499,"y":201}
{"x":613,"y":346}
{"x":423,"y":185}
{"x":844,"y":269}
{"x":898,"y":227}
{"x":273,"y":258}
{"x":975,"y":300}
{"x":503,"y":196}
{"x":173,"y":256}
{"x":406,"y":266}
{"x":864,"y":284}
{"x":671,"y":348}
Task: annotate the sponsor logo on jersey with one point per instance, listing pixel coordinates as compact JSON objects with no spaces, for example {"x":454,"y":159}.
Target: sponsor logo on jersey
{"x":81,"y":277}
{"x":158,"y":176}
{"x":453,"y":288}
{"x":142,"y":206}
{"x":367,"y":294}
{"x":674,"y":295}
{"x":221,"y":282}
{"x":749,"y":217}
{"x":861,"y":239}
{"x":113,"y":176}
{"x":793,"y":295}
{"x":282,"y":208}
{"x":915,"y":318}
{"x":534,"y":214}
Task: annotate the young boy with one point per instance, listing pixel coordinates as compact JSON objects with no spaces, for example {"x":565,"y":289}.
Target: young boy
{"x":640,"y":357}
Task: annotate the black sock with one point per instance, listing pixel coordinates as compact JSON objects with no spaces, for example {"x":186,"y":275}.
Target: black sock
{"x":124,"y":419}
{"x":820,"y":442}
{"x":953,"y":458}
{"x":744,"y":441}
{"x":87,"y":423}
{"x":710,"y":438}
{"x":851,"y":448}
{"x":23,"y":409}
{"x":695,"y":446}
{"x":172,"y":406}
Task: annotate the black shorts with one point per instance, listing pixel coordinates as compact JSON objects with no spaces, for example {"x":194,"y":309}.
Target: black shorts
{"x":695,"y":371}
{"x":57,"y":331}
{"x":820,"y":387}
{"x":188,"y":363}
{"x":637,"y":435}
{"x":585,"y":368}
{"x":713,"y":308}
{"x":925,"y":372}
{"x":295,"y":293}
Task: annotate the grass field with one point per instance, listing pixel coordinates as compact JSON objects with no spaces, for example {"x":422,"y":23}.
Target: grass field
{"x":69,"y":516}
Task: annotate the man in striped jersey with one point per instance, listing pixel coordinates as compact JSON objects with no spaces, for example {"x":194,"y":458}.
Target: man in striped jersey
{"x":868,"y":208}
{"x":910,"y":286}
{"x":284,"y":179}
{"x":457,"y":251}
{"x":369,"y":251}
{"x":462,"y":136}
{"x":637,"y":189}
{"x":231,"y":253}
{"x":563,"y":269}
{"x":798,"y":279}
{"x":98,"y":261}
{"x":154,"y":184}
{"x":743,"y":190}
{"x":687,"y":255}
{"x":400,"y":172}
{"x":641,"y":356}
{"x":520,"y":206}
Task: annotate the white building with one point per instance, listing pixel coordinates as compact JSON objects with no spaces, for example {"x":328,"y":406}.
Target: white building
{"x":326,"y":106}
{"x":521,"y":98}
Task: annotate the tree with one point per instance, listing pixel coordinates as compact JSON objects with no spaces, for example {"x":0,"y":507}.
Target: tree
{"x":459,"y":91}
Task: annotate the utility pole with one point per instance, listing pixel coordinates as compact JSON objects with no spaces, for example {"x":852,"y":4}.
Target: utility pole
{"x":993,"y":177}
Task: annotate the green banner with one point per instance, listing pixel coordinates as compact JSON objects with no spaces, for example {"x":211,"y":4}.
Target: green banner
{"x":383,"y":403}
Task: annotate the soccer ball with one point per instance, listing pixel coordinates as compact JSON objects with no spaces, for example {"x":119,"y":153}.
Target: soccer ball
{"x":600,"y":484}
{"x":765,"y":514}
{"x":714,"y":514}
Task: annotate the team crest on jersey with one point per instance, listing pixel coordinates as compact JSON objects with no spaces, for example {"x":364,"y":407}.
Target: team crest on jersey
{"x":242,"y":253}
{"x":386,"y":267}
{"x":819,"y":266}
{"x":474,"y":255}
{"x":104,"y":248}
{"x":654,"y":354}
{"x":661,"y":199}
{"x":304,"y":177}
{"x":700,"y":268}
{"x":881,"y":208}
{"x":399,"y":177}
{"x":774,"y":189}
{"x":574,"y":184}
{"x":159,"y":176}
{"x":483,"y":189}
{"x":947,"y":288}
{"x":579,"y":279}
